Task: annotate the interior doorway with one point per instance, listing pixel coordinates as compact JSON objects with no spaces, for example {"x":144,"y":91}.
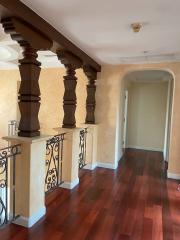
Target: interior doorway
{"x":147,"y":108}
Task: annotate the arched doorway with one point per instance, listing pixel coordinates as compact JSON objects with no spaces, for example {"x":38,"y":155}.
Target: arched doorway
{"x":133,"y":131}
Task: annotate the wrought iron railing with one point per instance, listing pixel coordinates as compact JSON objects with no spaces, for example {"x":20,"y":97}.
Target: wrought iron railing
{"x":82,"y":147}
{"x":8,"y":183}
{"x":54,"y":157}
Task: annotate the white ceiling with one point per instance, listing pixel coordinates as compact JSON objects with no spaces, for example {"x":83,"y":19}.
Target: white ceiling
{"x":102,"y":27}
{"x":10,"y":52}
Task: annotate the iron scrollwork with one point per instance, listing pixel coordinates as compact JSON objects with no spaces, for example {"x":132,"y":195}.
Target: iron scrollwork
{"x":6,"y":155}
{"x":82,"y":146}
{"x":54,"y":156}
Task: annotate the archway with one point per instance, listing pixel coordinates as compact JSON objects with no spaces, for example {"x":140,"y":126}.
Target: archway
{"x":161,"y":76}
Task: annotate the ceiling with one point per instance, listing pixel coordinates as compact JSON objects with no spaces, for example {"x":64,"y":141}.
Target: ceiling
{"x":148,"y":76}
{"x":10,"y":52}
{"x":103,"y":29}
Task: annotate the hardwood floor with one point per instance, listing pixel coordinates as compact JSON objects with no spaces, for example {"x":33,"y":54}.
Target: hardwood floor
{"x":135,"y":202}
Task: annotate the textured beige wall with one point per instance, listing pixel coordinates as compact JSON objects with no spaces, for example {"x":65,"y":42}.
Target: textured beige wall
{"x":147,"y":115}
{"x":8,"y":103}
{"x":110,"y":84}
{"x":52,"y":89}
{"x":108,"y":111}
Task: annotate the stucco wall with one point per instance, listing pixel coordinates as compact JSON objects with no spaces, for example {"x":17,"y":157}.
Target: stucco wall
{"x":52,"y":89}
{"x":108,"y":111}
{"x":110,"y":84}
{"x":8,"y":103}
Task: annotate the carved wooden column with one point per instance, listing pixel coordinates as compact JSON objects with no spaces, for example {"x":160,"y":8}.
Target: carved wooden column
{"x":71,"y":63}
{"x":29,"y":92}
{"x":91,"y":90}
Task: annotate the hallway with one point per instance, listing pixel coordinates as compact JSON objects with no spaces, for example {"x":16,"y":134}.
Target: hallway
{"x":134,"y":202}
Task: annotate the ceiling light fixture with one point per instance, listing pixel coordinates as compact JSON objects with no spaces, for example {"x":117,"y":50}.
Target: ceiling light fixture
{"x":136,"y":27}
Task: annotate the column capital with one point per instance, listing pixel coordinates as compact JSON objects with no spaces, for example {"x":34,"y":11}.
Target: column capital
{"x":68,"y":59}
{"x":90,"y":73}
{"x":24,"y":34}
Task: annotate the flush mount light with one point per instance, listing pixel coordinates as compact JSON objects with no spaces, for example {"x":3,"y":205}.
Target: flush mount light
{"x":136,"y":27}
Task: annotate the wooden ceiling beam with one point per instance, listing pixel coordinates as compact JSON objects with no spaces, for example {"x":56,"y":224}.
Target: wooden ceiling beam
{"x":15,"y":8}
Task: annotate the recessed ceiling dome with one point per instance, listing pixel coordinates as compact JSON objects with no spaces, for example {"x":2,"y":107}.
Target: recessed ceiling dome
{"x":7,"y":53}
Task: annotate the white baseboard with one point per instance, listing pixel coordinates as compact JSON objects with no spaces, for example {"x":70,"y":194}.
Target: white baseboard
{"x":90,"y":166}
{"x":173,"y":175}
{"x":146,"y":148}
{"x":29,"y":222}
{"x":107,"y":165}
{"x":70,"y":185}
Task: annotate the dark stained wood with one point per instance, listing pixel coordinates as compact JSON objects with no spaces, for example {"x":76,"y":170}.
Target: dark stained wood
{"x":29,"y":67}
{"x":29,"y":93}
{"x":91,"y":91}
{"x":134,"y":202}
{"x":15,"y":8}
{"x":20,"y":31}
{"x":71,"y":63}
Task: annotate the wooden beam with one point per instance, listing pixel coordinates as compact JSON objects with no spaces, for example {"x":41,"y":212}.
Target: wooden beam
{"x":9,"y":8}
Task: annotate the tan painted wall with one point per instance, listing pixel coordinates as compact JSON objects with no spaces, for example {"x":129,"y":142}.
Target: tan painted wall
{"x":108,"y":111}
{"x":147,"y":115}
{"x":8,"y":103}
{"x":52,"y":89}
{"x":110,"y":84}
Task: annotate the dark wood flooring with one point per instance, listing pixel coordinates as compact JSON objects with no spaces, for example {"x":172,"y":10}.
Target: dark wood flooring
{"x":135,"y":202}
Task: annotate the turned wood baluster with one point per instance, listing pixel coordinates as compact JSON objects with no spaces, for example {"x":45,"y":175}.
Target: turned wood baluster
{"x":29,"y":92}
{"x":71,"y":63}
{"x":91,"y":90}
{"x":69,"y":101}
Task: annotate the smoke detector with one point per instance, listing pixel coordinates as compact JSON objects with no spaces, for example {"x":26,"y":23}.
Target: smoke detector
{"x":136,"y":27}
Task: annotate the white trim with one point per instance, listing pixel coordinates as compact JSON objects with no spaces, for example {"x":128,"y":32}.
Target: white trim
{"x":125,"y":116}
{"x":165,"y":150}
{"x":107,"y":165}
{"x":146,"y":148}
{"x":173,"y":175}
{"x":29,"y":222}
{"x":70,"y":185}
{"x":90,"y":166}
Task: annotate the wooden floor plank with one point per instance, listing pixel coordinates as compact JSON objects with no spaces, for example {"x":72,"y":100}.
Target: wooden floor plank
{"x":134,"y":202}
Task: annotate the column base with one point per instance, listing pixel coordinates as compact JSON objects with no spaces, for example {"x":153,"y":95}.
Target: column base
{"x":29,"y":134}
{"x":70,"y":185}
{"x":29,"y":222}
{"x":90,"y":166}
{"x":30,"y":179}
{"x":173,"y":175}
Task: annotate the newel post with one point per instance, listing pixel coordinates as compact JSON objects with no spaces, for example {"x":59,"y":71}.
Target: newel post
{"x":71,"y":63}
{"x":91,"y":91}
{"x":29,"y":93}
